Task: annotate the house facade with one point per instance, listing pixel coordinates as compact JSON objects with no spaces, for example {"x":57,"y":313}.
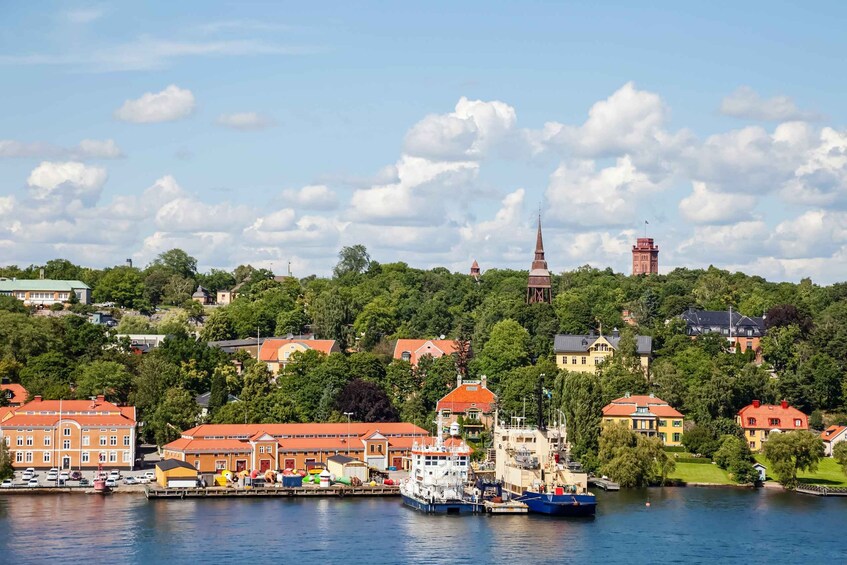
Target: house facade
{"x":585,"y":353}
{"x":202,"y":296}
{"x":740,"y":331}
{"x":831,"y":437}
{"x":70,"y":434}
{"x":648,"y":415}
{"x":412,"y":350}
{"x":759,"y":420}
{"x":214,"y":447}
{"x":276,"y":352}
{"x":45,"y":292}
{"x":473,"y":402}
{"x":15,"y":394}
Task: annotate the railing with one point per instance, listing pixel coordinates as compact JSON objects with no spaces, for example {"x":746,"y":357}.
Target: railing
{"x":821,"y":490}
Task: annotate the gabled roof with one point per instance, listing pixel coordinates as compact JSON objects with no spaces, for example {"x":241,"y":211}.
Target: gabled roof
{"x":467,"y":396}
{"x":168,"y":464}
{"x":41,"y":284}
{"x":420,"y":347}
{"x":270,"y":347}
{"x":19,"y":393}
{"x":628,"y":405}
{"x":832,"y":432}
{"x":343,"y":459}
{"x":568,"y":343}
{"x":704,"y":321}
{"x":764,"y":412}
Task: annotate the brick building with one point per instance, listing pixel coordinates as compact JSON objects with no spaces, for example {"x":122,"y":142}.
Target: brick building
{"x":645,"y":257}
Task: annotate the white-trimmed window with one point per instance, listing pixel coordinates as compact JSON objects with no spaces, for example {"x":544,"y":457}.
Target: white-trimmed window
{"x":47,"y":440}
{"x":102,"y":440}
{"x":20,"y":440}
{"x":113,"y":456}
{"x":29,"y":440}
{"x":126,"y":457}
{"x":66,"y":432}
{"x":126,"y":440}
{"x":46,"y":456}
{"x":85,"y":457}
{"x":29,"y":456}
{"x":19,"y":457}
{"x":220,"y":464}
{"x":113,"y":440}
{"x":66,"y":444}
{"x":86,"y":440}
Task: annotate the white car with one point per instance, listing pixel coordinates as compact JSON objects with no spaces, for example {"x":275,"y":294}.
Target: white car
{"x":143,"y":480}
{"x":64,"y":476}
{"x":33,"y":482}
{"x":115,"y":474}
{"x":150,"y":475}
{"x":130,"y":481}
{"x":51,"y":476}
{"x":27,"y":476}
{"x":111,"y":483}
{"x":7,"y":483}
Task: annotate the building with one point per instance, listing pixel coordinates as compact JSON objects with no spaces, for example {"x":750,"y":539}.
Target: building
{"x":237,"y":447}
{"x":70,"y":434}
{"x":585,"y":353}
{"x":412,"y":350}
{"x":275,"y":352}
{"x":647,"y":415}
{"x":202,"y":401}
{"x":645,"y":257}
{"x":15,"y":394}
{"x":172,"y":473}
{"x":762,"y":471}
{"x":343,"y":466}
{"x":475,"y":272}
{"x":831,"y":437}
{"x":538,"y":286}
{"x":473,"y":402}
{"x":740,"y":331}
{"x":202,"y":296}
{"x":759,"y":420}
{"x":45,"y":292}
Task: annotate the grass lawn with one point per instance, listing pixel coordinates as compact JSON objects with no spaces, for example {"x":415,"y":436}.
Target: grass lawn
{"x":829,"y":472}
{"x":700,"y":473}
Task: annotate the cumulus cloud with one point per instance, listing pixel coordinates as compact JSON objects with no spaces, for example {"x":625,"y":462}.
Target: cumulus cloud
{"x":748,"y":104}
{"x":58,"y":180}
{"x":172,"y":103}
{"x":87,"y":149}
{"x":312,"y":197}
{"x":245,"y":121}
{"x":704,"y":206}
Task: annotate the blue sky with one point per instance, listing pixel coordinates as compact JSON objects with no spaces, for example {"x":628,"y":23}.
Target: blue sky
{"x":430,"y":132}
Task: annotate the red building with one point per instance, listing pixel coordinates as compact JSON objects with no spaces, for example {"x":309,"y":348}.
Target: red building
{"x":645,"y":257}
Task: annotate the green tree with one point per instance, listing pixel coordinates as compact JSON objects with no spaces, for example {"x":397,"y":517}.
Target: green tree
{"x":376,"y":320}
{"x":177,"y":412}
{"x":178,"y":262}
{"x":131,"y":324}
{"x":122,"y":285}
{"x":218,"y":392}
{"x":581,"y":399}
{"x":7,"y":471}
{"x":12,"y":304}
{"x":839,"y":453}
{"x":734,"y":455}
{"x":104,"y":377}
{"x":791,"y":452}
{"x":218,"y":326}
{"x":507,"y":348}
{"x":352,"y":260}
{"x":701,"y":440}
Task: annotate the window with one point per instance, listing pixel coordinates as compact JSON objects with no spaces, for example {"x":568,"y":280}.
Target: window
{"x":220,"y":465}
{"x":85,"y":457}
{"x":677,"y":423}
{"x":662,"y":436}
{"x":47,"y":441}
{"x":662,"y":423}
{"x":20,"y":440}
{"x":113,"y":456}
{"x":798,"y":423}
{"x":29,"y":440}
{"x":677,"y":437}
{"x":773,"y":421}
{"x":102,"y":440}
{"x":66,"y":432}
{"x":261,"y":449}
{"x":749,"y":344}
{"x":19,"y":457}
{"x":584,"y":359}
{"x":372,"y":448}
{"x":46,"y":457}
{"x":126,"y":440}
{"x":751,"y":421}
{"x":113,"y":440}
{"x":29,"y":456}
{"x":752,"y":433}
{"x":86,"y":440}
{"x":126,"y":457}
{"x":66,"y":444}
{"x":406,"y":356}
{"x":573,"y":360}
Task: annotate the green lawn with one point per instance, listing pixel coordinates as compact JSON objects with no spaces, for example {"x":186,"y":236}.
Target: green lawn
{"x":829,"y":473}
{"x":700,"y":473}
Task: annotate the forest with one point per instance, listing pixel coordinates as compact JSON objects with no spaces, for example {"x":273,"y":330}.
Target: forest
{"x":366,"y":305}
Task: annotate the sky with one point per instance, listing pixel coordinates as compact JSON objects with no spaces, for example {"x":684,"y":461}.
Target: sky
{"x":431,"y":132}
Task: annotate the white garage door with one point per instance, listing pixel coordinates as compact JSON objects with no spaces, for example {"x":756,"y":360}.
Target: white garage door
{"x":182,"y":483}
{"x":376,"y":462}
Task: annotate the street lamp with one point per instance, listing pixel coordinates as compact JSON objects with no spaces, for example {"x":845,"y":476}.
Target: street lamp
{"x":348,"y":414}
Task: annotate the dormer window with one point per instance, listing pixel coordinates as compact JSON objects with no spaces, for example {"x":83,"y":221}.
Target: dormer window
{"x":641,"y":410}
{"x":751,"y":421}
{"x":773,"y":421}
{"x":406,"y":356}
{"x":798,"y":423}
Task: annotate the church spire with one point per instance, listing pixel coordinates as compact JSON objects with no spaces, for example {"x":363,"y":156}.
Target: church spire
{"x":539,"y":246}
{"x":538,"y":285}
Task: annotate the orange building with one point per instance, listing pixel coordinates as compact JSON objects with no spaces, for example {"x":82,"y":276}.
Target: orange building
{"x":14,"y":393}
{"x":237,"y":447}
{"x":70,"y":434}
{"x":275,"y":352}
{"x":473,"y":402}
{"x":759,"y":420}
{"x":412,"y":350}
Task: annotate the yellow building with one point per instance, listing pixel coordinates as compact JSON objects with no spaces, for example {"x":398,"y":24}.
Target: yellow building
{"x":647,"y":415}
{"x":759,"y":420}
{"x":585,"y":353}
{"x":172,"y":473}
{"x":275,"y":352}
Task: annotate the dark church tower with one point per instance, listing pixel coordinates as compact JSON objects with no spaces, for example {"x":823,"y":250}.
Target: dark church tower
{"x":538,"y":286}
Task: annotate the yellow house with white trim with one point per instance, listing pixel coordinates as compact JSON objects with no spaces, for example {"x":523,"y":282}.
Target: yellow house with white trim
{"x":585,"y":353}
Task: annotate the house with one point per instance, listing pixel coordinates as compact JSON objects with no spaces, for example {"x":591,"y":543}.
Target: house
{"x":45,"y":292}
{"x":759,"y":420}
{"x":648,"y":415}
{"x":102,"y":319}
{"x":70,"y":434}
{"x":412,"y":350}
{"x":343,"y":466}
{"x":213,"y":447}
{"x":202,"y":296}
{"x":471,"y":401}
{"x":275,"y":352}
{"x":740,"y":331}
{"x":585,"y":353}
{"x":831,"y":437}
{"x":202,"y":401}
{"x":762,"y":471}
{"x":15,"y":394}
{"x":172,"y":473}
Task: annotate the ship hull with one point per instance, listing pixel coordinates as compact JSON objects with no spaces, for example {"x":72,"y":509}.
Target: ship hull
{"x":559,"y":504}
{"x":453,"y":507}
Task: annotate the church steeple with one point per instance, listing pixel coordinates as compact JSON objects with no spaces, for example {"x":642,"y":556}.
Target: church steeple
{"x":538,"y":285}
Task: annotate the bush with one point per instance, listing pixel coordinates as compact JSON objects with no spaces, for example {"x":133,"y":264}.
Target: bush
{"x":57,"y":307}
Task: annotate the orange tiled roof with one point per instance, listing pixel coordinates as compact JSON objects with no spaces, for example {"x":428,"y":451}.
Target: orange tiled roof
{"x":209,"y":446}
{"x":420,"y":347}
{"x":765,"y":412}
{"x":99,"y":405}
{"x":270,"y":347}
{"x":6,"y":411}
{"x":832,"y":432}
{"x":19,"y":393}
{"x":303,"y":430}
{"x":42,"y":420}
{"x":627,"y":406}
{"x":467,"y":396}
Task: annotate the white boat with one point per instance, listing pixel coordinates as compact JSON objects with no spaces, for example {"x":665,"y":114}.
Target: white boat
{"x":438,"y":475}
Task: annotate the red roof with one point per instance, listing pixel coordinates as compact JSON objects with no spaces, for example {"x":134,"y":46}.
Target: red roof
{"x":48,"y":420}
{"x":270,"y":347}
{"x":467,"y":396}
{"x":417,"y":348}
{"x":303,"y":430}
{"x":832,"y":432}
{"x":19,"y":393}
{"x":41,"y":413}
{"x":67,"y":406}
{"x":209,"y":446}
{"x":628,"y":405}
{"x":764,"y":414}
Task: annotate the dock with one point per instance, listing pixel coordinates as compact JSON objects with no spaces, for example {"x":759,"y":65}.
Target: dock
{"x":506,"y":507}
{"x":819,"y":490}
{"x":604,"y":484}
{"x":336,"y":491}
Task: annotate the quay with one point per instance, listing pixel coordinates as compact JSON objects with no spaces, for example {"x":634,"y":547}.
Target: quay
{"x":153,"y":492}
{"x":819,"y":490}
{"x":604,"y":484}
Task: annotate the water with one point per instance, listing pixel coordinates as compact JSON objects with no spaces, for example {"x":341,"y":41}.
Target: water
{"x":693,"y":525}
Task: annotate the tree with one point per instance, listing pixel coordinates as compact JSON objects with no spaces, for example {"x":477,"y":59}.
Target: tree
{"x":630,"y":459}
{"x":218,"y":326}
{"x":131,"y":324}
{"x":12,"y":304}
{"x":178,"y":262}
{"x":506,"y":349}
{"x":104,"y":377}
{"x":581,"y":400}
{"x":174,"y":322}
{"x":122,"y":285}
{"x":177,"y":412}
{"x":367,"y":401}
{"x":734,"y":456}
{"x":177,"y":290}
{"x":700,"y":440}
{"x":219,"y":394}
{"x":352,"y":260}
{"x":784,"y":315}
{"x":791,"y":452}
{"x":377,"y":319}
{"x":7,"y":471}
{"x":839,"y":453}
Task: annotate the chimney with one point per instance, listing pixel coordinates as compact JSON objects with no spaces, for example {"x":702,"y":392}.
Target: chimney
{"x":129,"y":263}
{"x":41,"y":273}
{"x":101,"y":398}
{"x":756,"y":404}
{"x":484,"y":381}
{"x":615,"y":332}
{"x":784,"y":404}
{"x":36,"y":398}
{"x":458,"y":379}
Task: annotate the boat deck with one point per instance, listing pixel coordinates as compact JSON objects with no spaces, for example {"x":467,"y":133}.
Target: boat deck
{"x":604,"y":484}
{"x":153,"y":492}
{"x":506,"y":507}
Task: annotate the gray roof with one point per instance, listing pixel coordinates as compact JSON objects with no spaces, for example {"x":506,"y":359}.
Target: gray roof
{"x":41,"y":284}
{"x":202,"y":400}
{"x":704,"y":321}
{"x":168,"y":464}
{"x":570,"y":342}
{"x":343,"y":459}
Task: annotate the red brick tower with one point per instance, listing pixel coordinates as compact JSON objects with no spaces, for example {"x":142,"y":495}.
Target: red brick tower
{"x":538,"y":286}
{"x":645,"y":257}
{"x":475,"y":272}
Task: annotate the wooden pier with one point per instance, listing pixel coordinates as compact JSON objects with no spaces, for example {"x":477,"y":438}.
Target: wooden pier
{"x":819,"y":490}
{"x":604,"y":484}
{"x":336,"y":491}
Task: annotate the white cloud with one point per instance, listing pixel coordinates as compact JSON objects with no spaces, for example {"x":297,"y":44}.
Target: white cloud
{"x":84,"y":15}
{"x":190,"y":215}
{"x":58,"y":180}
{"x":704,"y":206}
{"x":246,"y":121}
{"x":821,"y":179}
{"x":172,"y":103}
{"x":746,"y":103}
{"x":279,"y":220}
{"x":87,"y":149}
{"x":312,"y":197}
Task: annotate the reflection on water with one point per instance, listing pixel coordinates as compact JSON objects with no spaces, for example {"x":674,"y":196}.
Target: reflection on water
{"x":680,"y":525}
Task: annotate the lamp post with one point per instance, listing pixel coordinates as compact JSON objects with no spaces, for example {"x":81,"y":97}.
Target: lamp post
{"x":348,"y":414}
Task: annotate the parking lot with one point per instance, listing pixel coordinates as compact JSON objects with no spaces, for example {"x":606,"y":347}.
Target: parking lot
{"x":41,"y":477}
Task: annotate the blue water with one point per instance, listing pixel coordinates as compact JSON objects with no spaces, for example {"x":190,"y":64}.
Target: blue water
{"x":693,"y":525}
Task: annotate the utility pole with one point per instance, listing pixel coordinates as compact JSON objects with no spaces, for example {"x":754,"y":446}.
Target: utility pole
{"x":348,"y":414}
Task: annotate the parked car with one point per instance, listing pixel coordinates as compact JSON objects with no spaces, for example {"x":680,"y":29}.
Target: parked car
{"x":33,"y":482}
{"x":84,"y":482}
{"x":143,"y":480}
{"x":130,"y":481}
{"x":52,"y":476}
{"x":111,"y":483}
{"x":150,"y":475}
{"x":7,"y":483}
{"x":115,"y":474}
{"x":31,"y":471}
{"x":76,"y":475}
{"x":64,"y":476}
{"x":27,"y":476}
